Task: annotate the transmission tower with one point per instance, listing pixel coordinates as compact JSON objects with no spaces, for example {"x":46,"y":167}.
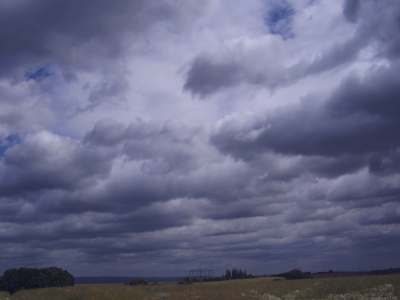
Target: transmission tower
{"x":200,"y":272}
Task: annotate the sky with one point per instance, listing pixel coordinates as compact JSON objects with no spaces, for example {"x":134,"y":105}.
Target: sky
{"x":149,"y":138}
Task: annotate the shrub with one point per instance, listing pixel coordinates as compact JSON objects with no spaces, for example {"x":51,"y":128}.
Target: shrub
{"x":138,"y":281}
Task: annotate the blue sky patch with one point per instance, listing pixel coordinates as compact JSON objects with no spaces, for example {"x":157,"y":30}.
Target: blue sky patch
{"x":279,"y":19}
{"x":7,"y":142}
{"x":38,"y":75}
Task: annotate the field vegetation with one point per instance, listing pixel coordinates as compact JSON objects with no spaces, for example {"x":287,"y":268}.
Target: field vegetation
{"x":378,"y":287}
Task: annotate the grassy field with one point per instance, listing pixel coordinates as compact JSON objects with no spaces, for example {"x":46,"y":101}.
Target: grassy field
{"x":345,"y":288}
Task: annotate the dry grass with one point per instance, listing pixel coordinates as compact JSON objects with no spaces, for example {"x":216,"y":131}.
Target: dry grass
{"x":354,"y":288}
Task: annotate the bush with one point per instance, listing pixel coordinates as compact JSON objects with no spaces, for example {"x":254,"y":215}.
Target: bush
{"x":138,"y":281}
{"x":14,"y":280}
{"x":296,"y":274}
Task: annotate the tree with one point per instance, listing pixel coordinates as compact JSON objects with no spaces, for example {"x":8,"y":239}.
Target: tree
{"x":138,"y":281}
{"x":228,"y":275}
{"x":14,"y":280}
{"x":234,"y":273}
{"x":296,"y":274}
{"x":186,"y":280}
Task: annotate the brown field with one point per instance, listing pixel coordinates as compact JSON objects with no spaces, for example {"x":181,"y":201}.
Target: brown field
{"x":342,"y":288}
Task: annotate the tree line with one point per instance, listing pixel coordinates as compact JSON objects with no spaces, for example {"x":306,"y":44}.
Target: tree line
{"x":229,"y":275}
{"x":236,"y":274}
{"x":14,"y":280}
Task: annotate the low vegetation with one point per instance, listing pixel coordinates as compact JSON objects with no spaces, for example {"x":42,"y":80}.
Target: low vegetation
{"x":382,"y":287}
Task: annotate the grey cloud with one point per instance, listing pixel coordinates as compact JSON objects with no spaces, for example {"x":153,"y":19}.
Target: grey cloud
{"x":110,"y":90}
{"x":298,"y":215}
{"x":160,"y":215}
{"x":385,"y":163}
{"x":48,"y":161}
{"x":335,"y":166}
{"x":249,"y":208}
{"x":206,"y":77}
{"x":75,"y":33}
{"x":252,"y":61}
{"x":381,"y":25}
{"x":145,"y":203}
{"x":175,"y":151}
{"x":267,"y":191}
{"x":285,"y":168}
{"x":369,"y":192}
{"x":350,"y":9}
{"x":361,"y":117}
{"x":378,"y":26}
{"x":331,"y":58}
{"x":375,"y":163}
{"x":60,"y":176}
{"x":386,"y":214}
{"x":377,"y":22}
{"x":106,"y":132}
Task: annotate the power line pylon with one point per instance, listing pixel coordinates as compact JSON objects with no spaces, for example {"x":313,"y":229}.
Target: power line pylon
{"x":200,"y":273}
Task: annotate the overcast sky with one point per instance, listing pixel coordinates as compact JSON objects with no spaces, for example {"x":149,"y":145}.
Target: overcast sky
{"x":147,"y":137}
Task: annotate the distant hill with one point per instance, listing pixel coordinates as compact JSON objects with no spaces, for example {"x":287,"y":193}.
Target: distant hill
{"x":120,"y":279}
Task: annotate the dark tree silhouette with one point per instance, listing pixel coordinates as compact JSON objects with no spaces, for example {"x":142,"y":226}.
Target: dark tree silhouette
{"x":228,"y":275}
{"x":14,"y":280}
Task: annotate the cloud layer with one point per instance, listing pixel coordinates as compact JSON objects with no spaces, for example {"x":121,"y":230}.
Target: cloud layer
{"x":147,"y":138}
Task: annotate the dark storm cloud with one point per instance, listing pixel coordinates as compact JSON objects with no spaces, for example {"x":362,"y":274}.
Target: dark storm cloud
{"x":365,"y":191}
{"x":206,"y":77}
{"x":334,"y":166}
{"x":360,"y":118}
{"x":73,"y":33}
{"x":312,"y":182}
{"x":46,"y":175}
{"x":161,"y":215}
{"x":174,"y":153}
{"x":386,"y":214}
{"x":350,"y":9}
{"x":48,"y":161}
{"x":379,"y":25}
